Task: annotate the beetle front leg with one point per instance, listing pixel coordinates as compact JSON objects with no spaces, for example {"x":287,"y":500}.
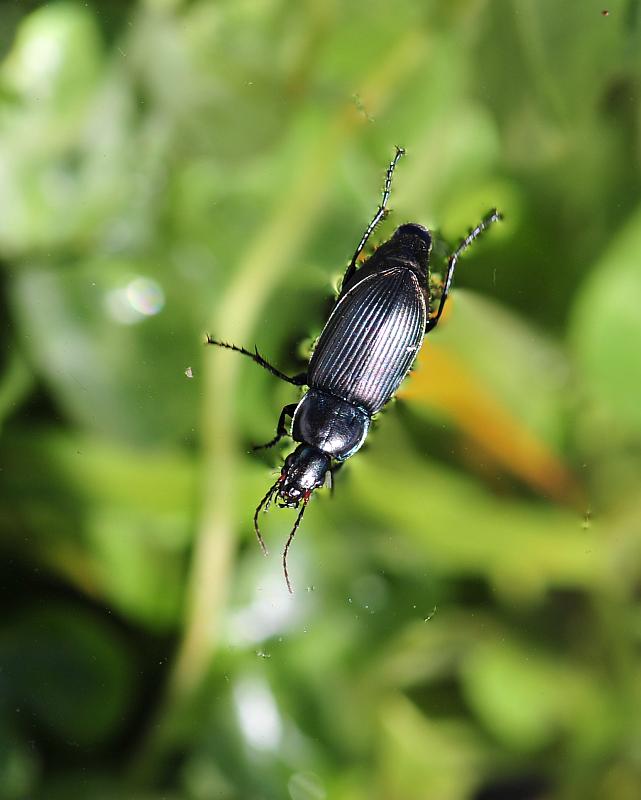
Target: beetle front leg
{"x":281,"y":430}
{"x":297,"y":380}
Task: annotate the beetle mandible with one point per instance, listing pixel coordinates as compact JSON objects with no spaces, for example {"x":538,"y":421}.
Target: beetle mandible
{"x":364,"y":352}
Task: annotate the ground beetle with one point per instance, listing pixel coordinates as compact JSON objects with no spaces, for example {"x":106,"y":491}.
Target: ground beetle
{"x":365,"y":350}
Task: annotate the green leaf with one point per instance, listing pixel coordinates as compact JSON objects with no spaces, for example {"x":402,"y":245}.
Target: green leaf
{"x":520,"y":366}
{"x":115,"y":522}
{"x":113,"y":366}
{"x":527,"y":698}
{"x":18,"y":765}
{"x":605,"y":328}
{"x":451,"y":524}
{"x":15,"y":384}
{"x":68,"y":669}
{"x":55,"y":59}
{"x":422,"y":757}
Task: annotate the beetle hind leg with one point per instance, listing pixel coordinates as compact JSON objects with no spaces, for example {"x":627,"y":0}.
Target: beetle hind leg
{"x":485,"y":223}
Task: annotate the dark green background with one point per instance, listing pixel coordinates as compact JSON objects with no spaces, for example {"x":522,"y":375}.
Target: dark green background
{"x":467,"y":620}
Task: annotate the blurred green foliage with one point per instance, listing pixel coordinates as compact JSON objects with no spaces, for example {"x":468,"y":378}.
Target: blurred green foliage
{"x":467,"y":624}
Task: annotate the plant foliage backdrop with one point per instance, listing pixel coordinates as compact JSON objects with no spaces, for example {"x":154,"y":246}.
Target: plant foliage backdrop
{"x":467,"y":622}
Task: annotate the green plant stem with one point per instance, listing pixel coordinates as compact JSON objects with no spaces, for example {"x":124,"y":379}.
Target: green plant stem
{"x":260,"y":270}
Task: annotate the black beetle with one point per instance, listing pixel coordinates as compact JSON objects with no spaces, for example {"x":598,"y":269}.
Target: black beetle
{"x":366,"y":348}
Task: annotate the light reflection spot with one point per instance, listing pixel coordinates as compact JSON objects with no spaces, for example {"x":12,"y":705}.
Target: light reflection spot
{"x":140,"y":298}
{"x":258,"y":714}
{"x":306,"y":786}
{"x":146,"y":296}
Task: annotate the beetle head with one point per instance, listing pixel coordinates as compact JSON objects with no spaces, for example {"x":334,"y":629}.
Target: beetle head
{"x":303,"y":471}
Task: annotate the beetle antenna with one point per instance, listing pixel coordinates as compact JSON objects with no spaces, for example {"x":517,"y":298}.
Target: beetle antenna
{"x":493,"y":216}
{"x":266,"y":499}
{"x":289,"y":541}
{"x":380,"y":212}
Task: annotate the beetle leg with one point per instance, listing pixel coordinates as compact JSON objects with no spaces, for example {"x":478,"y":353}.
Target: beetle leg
{"x":378,"y":216}
{"x":494,"y":216}
{"x":281,"y":429}
{"x":297,"y":380}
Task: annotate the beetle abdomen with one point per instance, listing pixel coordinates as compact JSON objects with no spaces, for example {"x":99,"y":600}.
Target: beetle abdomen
{"x":371,"y":339}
